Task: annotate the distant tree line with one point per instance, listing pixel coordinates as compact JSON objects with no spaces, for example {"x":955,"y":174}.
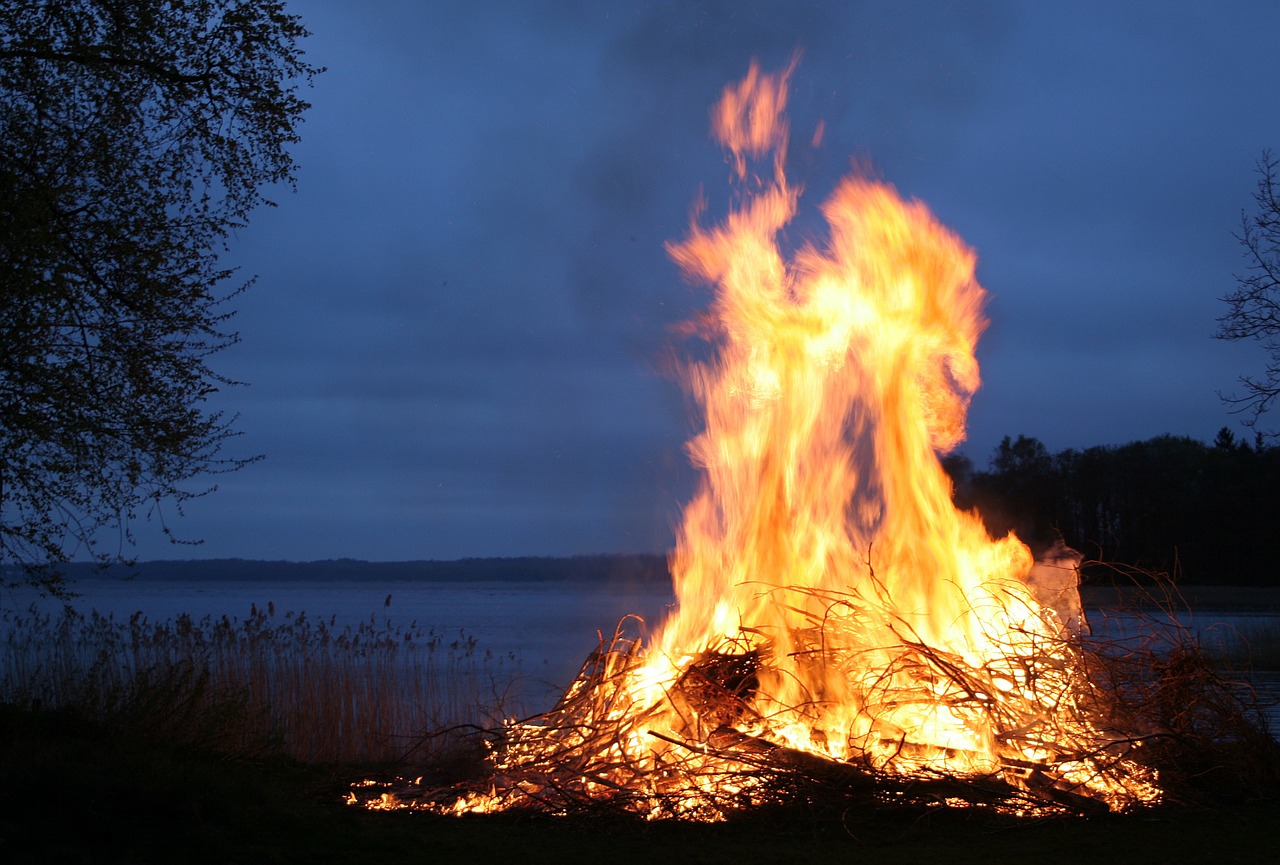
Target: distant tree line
{"x":618,"y":570}
{"x":1203,"y":513}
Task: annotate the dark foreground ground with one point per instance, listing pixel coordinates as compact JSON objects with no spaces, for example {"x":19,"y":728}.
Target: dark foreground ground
{"x":71,"y":791}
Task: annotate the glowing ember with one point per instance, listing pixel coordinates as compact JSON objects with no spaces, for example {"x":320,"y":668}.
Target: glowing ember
{"x":838,"y":621}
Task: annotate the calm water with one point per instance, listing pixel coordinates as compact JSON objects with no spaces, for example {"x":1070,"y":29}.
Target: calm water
{"x":545,"y":630}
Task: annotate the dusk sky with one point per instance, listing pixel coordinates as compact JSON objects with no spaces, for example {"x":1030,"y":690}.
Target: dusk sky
{"x":455,"y":345}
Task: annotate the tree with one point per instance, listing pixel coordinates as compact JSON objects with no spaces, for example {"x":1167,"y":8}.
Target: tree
{"x":1254,"y":307}
{"x":1023,"y":472}
{"x":1225,"y":440}
{"x":135,"y":136}
{"x":1019,"y":492}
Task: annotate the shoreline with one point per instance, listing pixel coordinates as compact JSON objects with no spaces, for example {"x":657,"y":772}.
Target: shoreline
{"x":1260,"y":599}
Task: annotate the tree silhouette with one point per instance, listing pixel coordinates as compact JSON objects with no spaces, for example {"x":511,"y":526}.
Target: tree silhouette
{"x":135,"y":135}
{"x":1203,"y":513}
{"x":1254,"y":306}
{"x":1019,"y":491}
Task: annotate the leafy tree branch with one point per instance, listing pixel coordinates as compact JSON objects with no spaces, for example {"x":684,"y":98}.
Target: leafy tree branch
{"x":135,"y":136}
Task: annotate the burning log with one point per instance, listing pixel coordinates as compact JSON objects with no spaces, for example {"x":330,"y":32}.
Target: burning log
{"x":731,"y":743}
{"x":851,"y":779}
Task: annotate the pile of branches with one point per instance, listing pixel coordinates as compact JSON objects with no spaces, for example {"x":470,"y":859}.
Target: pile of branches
{"x":1141,"y":723}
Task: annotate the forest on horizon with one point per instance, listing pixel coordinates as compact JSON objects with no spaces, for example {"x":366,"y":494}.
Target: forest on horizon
{"x":1200,"y":513}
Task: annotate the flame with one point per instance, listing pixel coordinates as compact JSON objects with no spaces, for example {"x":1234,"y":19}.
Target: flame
{"x":834,"y":609}
{"x":838,"y":378}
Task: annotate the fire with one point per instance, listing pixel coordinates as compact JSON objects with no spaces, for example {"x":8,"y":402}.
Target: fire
{"x":839,"y":377}
{"x":837,"y":618}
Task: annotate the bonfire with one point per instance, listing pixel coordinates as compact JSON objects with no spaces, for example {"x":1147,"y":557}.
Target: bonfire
{"x":840,"y":625}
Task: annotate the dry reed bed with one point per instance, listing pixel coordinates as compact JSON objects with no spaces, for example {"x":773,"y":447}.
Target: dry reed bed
{"x":287,"y":684}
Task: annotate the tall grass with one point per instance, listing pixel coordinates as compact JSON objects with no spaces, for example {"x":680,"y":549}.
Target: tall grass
{"x":286,"y":684}
{"x":1252,"y":645}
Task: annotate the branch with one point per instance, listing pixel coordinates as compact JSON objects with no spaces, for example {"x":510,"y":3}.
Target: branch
{"x":98,"y":58}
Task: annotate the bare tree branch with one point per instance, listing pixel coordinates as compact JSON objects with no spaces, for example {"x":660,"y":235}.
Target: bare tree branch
{"x":1254,"y":306}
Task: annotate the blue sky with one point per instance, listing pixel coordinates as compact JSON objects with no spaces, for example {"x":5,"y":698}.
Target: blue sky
{"x":456,"y":343}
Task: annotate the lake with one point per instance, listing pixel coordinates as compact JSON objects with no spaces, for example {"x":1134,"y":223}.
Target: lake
{"x":542,"y":631}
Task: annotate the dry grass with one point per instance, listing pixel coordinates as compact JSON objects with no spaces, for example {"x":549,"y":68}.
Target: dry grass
{"x":282,"y":684}
{"x":1249,"y":645}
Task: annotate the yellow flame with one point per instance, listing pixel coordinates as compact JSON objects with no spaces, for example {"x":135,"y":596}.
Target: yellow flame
{"x":839,"y":377}
{"x":883,"y":627}
{"x":823,"y":532}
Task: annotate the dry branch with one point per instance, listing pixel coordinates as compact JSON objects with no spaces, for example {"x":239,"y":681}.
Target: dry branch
{"x":1102,"y":717}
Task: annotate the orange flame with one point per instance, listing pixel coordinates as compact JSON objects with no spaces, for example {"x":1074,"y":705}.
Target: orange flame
{"x":839,"y":377}
{"x":822,"y":558}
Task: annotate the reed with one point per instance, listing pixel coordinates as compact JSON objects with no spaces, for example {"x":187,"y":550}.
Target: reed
{"x":1252,"y":646}
{"x":307,"y":688}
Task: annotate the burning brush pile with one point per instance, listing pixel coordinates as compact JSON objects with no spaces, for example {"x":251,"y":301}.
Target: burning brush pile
{"x":841,"y":629}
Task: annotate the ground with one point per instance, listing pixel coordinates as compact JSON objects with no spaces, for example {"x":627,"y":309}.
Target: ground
{"x":72,"y":791}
